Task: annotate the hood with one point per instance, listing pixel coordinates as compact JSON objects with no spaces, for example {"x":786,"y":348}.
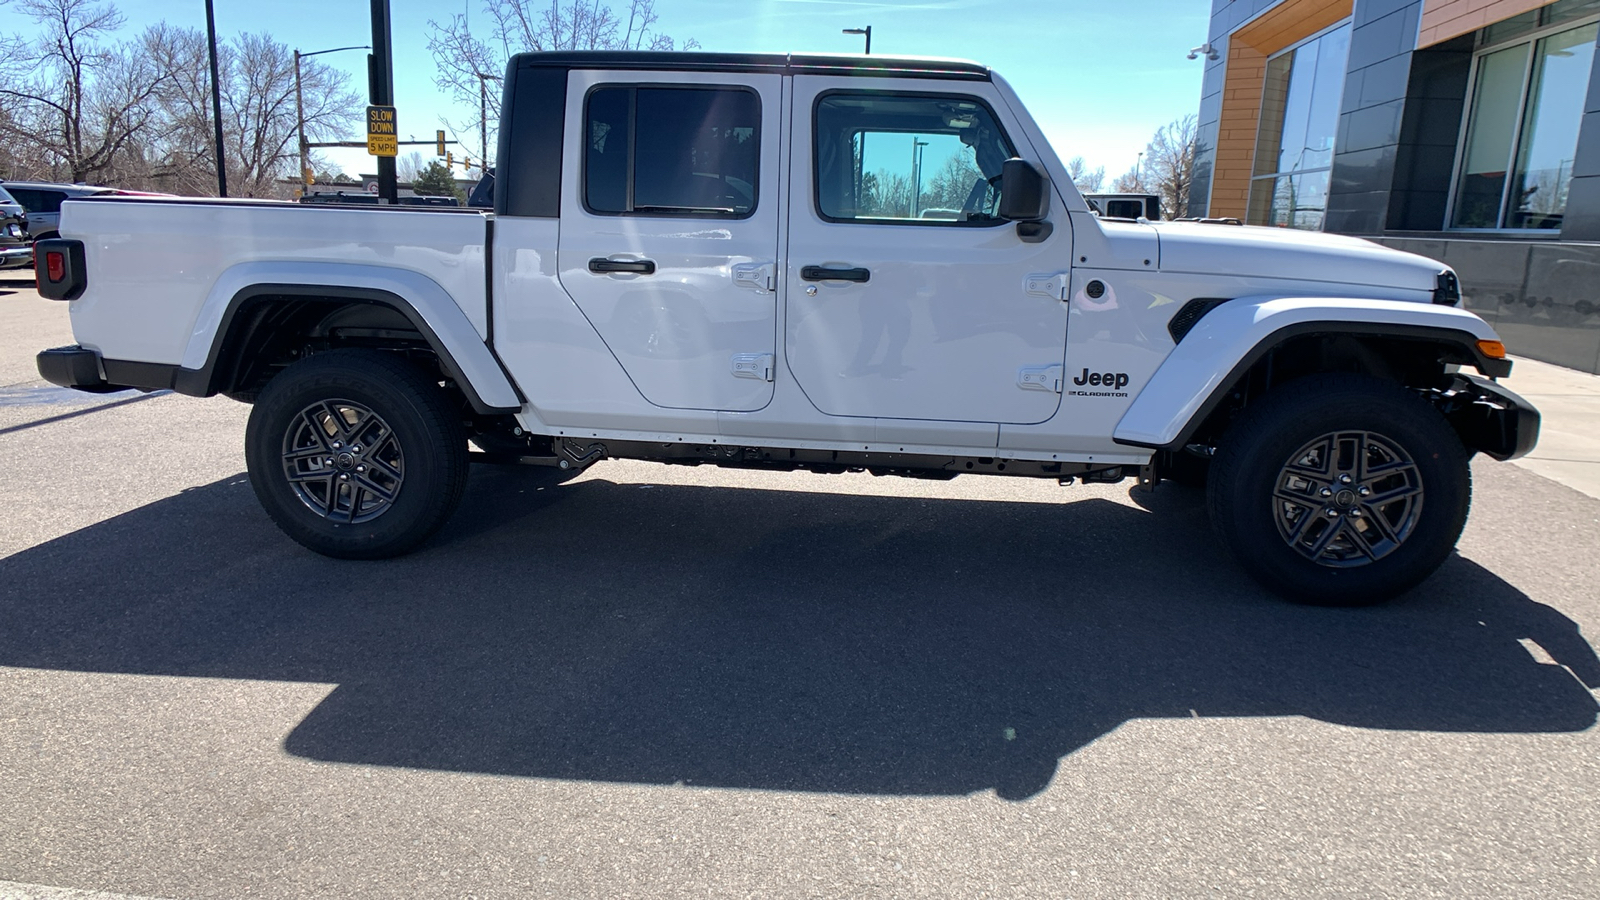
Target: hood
{"x":1289,"y":253}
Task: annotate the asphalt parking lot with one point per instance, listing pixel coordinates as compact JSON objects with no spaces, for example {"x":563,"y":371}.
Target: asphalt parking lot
{"x":657,"y":681}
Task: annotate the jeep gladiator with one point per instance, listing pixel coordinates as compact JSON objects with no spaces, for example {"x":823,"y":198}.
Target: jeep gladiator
{"x":801,"y":262}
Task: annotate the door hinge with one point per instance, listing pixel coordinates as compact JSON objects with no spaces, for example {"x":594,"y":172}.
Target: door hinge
{"x":1052,"y":286}
{"x":1040,"y":378}
{"x":756,"y":276}
{"x":753,"y":365}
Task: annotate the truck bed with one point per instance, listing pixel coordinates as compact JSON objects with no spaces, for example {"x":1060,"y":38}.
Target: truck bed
{"x":157,"y":261}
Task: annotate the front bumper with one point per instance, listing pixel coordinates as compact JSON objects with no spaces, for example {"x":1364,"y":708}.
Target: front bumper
{"x":1490,"y":418}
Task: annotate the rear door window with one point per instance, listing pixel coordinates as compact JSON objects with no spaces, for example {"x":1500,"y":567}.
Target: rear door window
{"x":672,"y":151}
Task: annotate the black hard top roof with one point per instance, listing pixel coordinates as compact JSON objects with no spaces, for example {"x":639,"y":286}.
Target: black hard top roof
{"x":778,"y":63}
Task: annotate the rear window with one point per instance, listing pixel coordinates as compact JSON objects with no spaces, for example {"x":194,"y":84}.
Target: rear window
{"x":1124,"y":209}
{"x":672,"y":151}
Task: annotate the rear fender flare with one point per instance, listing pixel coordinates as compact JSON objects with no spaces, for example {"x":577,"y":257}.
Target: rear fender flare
{"x":461,"y":349}
{"x":1231,"y":338}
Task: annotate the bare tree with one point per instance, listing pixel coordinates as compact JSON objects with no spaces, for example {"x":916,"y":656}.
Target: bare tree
{"x":1169,"y":161}
{"x":74,"y":96}
{"x":465,"y":56}
{"x":1130,"y":182}
{"x":1088,"y":180}
{"x":256,"y":75}
{"x":955,"y":181}
{"x":408,"y":167}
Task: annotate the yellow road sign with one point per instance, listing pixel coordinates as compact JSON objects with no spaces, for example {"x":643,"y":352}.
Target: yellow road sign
{"x":383,"y":135}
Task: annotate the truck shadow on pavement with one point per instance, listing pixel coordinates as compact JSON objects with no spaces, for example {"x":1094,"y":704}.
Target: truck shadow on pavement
{"x":771,"y":640}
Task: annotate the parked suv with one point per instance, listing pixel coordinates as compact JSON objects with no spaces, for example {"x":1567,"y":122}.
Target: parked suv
{"x":42,"y":201}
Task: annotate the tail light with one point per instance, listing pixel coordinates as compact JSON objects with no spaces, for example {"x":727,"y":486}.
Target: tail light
{"x":58,"y":264}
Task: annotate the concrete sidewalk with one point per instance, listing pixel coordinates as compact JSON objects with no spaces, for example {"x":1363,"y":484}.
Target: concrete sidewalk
{"x":1569,"y":439}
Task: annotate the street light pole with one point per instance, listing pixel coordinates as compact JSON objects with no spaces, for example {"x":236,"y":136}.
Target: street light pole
{"x":863,"y":31}
{"x":916,"y":176}
{"x":300,"y":109}
{"x":216,"y":99}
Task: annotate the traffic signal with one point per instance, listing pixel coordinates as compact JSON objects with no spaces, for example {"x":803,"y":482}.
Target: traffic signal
{"x":449,"y":160}
{"x":439,"y":136}
{"x":466,"y":163}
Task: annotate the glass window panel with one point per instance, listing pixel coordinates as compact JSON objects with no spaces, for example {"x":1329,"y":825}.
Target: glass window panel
{"x":1299,"y":122}
{"x":696,"y":151}
{"x":1550,"y":128}
{"x":1322,"y":122}
{"x":605,"y":175}
{"x":904,"y":158}
{"x":1260,"y":208}
{"x":672,"y":151}
{"x":1309,"y":201}
{"x":1297,"y":109}
{"x":1274,"y":96}
{"x":1493,"y":125}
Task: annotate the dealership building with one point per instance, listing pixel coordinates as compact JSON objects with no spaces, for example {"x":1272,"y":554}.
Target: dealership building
{"x":1464,"y":130}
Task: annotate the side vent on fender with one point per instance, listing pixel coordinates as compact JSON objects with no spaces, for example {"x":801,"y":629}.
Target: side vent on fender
{"x":1447,"y":289}
{"x":1190,"y":315}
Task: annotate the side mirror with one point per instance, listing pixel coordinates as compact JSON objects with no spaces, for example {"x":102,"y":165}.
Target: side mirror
{"x":1024,"y":192}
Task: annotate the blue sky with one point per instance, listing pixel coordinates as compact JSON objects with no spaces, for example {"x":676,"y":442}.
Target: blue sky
{"x":1099,"y":76}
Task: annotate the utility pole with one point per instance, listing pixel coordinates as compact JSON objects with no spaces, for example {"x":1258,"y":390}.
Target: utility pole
{"x":483,"y":114}
{"x":300,"y":124}
{"x":380,"y":80}
{"x":865,"y":31}
{"x":216,"y":99}
{"x":300,"y":109}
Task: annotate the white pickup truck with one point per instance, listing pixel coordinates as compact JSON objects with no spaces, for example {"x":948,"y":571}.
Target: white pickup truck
{"x":801,"y":262}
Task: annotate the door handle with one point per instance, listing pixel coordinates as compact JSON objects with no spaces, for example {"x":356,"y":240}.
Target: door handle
{"x":823,"y":273}
{"x":602,"y":266}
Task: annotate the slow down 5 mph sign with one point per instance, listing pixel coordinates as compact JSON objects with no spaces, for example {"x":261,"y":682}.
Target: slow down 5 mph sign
{"x":383,"y":136}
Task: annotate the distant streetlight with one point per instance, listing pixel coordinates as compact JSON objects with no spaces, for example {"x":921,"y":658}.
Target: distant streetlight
{"x":864,"y":31}
{"x":1138,"y":170}
{"x":483,"y":114}
{"x":300,"y":110}
{"x":917,"y":145}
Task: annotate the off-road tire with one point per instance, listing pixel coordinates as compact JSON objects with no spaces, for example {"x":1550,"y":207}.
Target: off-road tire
{"x":1256,"y":467}
{"x":412,"y":423}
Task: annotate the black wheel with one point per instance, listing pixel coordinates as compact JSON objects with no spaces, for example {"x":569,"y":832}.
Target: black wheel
{"x":1340,"y":490}
{"x":356,"y":454}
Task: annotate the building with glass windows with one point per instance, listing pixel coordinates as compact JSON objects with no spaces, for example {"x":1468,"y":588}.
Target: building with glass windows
{"x":1464,"y":130}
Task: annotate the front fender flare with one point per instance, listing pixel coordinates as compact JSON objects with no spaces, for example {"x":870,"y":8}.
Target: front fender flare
{"x":1231,"y":338}
{"x":431,"y":309}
